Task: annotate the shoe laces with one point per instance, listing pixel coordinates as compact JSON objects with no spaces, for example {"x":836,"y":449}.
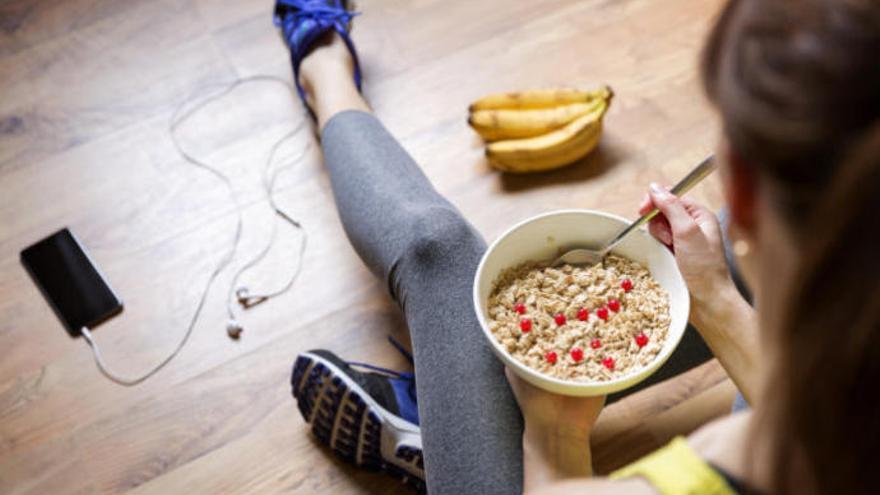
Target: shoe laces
{"x":317,"y":10}
{"x":410,"y":377}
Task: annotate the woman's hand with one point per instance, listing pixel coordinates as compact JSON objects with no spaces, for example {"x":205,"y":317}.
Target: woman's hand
{"x":556,"y":440}
{"x":725,"y":320}
{"x":693,"y":234}
{"x":549,"y":411}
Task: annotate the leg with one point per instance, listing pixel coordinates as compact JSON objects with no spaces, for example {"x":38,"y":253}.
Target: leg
{"x":418,"y":242}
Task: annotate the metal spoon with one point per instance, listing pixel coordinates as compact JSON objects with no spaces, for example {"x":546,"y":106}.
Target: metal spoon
{"x":593,"y":256}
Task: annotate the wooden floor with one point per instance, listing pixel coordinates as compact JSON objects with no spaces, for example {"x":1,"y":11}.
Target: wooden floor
{"x":87,"y":90}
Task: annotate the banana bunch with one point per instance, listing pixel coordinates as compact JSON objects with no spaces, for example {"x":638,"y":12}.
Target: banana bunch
{"x":538,"y":130}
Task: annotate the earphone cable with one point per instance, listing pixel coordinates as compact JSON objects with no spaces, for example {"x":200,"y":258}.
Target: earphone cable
{"x":178,"y":117}
{"x":268,"y":180}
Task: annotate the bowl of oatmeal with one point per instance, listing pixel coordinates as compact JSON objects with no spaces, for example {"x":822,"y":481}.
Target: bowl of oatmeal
{"x":579,"y":330}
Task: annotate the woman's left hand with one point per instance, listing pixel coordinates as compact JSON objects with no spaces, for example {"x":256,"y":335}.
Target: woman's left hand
{"x":550,"y":411}
{"x":556,"y":439}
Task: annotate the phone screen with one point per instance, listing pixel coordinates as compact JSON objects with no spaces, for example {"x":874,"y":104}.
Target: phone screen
{"x":70,"y":282}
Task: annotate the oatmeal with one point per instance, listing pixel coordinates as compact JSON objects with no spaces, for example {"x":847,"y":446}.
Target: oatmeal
{"x":576,"y":323}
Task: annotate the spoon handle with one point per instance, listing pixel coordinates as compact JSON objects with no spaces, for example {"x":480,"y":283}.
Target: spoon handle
{"x":696,"y":175}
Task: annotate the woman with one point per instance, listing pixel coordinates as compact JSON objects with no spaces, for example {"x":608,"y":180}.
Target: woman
{"x":797,"y":85}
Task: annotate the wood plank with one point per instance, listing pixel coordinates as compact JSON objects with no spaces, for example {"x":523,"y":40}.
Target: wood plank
{"x":136,"y":64}
{"x":26,"y":23}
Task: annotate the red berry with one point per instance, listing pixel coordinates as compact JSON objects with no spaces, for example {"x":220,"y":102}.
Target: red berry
{"x":626,"y":284}
{"x":525,"y":324}
{"x":595,"y":343}
{"x":550,"y":357}
{"x":608,"y":363}
{"x":583,"y":314}
{"x":641,"y":340}
{"x":614,"y":305}
{"x":602,"y":313}
{"x":577,"y":354}
{"x":560,"y":319}
{"x":520,"y":308}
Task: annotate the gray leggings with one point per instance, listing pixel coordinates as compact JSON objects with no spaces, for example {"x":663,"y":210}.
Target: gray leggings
{"x":415,"y":240}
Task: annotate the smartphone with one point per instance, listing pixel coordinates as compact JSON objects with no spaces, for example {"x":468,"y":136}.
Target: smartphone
{"x":70,"y":281}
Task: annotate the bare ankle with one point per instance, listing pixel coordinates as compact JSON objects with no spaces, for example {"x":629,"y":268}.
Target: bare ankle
{"x":328,"y":60}
{"x":327,"y":76}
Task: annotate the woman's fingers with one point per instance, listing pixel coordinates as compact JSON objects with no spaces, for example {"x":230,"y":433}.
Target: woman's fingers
{"x":678,"y":216}
{"x":697,"y":210}
{"x":646,"y":205}
{"x":659,"y":228}
{"x":680,"y":221}
{"x":704,"y":217}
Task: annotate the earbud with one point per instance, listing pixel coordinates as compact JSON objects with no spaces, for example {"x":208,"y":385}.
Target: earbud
{"x":242,"y":295}
{"x":246,"y":299}
{"x":234,"y":329}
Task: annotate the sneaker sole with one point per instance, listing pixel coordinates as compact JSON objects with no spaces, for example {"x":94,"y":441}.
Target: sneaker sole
{"x":360,"y":431}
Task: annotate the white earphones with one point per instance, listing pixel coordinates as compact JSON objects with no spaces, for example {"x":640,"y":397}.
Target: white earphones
{"x":242,"y":295}
{"x":233,"y":328}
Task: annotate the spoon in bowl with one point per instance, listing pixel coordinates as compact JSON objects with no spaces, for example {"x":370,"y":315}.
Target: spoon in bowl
{"x":590,"y":257}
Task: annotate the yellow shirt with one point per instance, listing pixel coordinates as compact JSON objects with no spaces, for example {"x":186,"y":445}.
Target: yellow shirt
{"x":677,"y":470}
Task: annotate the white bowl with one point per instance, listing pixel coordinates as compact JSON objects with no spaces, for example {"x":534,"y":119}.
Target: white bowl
{"x":542,"y":238}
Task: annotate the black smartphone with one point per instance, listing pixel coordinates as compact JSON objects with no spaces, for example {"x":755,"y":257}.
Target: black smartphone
{"x":70,"y":282}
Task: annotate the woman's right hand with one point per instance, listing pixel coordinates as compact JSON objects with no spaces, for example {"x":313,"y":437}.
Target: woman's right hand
{"x":693,"y":234}
{"x":725,"y":320}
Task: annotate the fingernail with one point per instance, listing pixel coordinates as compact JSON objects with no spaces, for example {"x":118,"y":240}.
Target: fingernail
{"x":656,"y":189}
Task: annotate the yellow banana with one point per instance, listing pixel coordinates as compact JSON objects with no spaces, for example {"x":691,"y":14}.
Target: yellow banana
{"x":552,"y":150}
{"x":540,"y":98}
{"x":493,"y":125}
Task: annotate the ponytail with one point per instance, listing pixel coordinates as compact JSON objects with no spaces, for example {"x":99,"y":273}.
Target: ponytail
{"x":826,"y":402}
{"x":797,"y":84}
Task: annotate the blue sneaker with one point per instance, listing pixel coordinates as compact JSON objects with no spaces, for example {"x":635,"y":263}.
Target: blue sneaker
{"x":303,"y":22}
{"x":369,"y":419}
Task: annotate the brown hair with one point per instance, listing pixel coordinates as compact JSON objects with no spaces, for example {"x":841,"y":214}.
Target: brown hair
{"x":797,"y":84}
